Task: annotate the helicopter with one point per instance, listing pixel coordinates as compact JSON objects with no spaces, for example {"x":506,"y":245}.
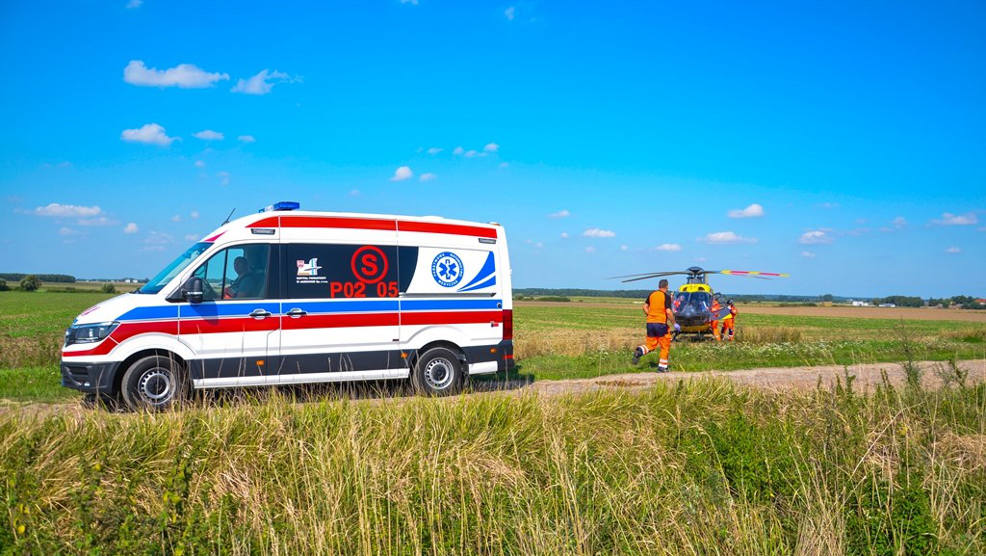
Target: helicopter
{"x":692,"y":302}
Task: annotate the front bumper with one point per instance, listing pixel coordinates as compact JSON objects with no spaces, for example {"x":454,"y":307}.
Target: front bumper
{"x":90,"y":377}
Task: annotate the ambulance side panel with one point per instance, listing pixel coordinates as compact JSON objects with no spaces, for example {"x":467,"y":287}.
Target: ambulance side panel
{"x":456,"y":296}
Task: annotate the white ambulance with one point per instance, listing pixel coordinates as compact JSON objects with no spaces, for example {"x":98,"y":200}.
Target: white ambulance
{"x":296,"y":297}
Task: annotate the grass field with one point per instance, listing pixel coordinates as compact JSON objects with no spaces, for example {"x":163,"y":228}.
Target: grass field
{"x":699,"y":467}
{"x":552,"y":340}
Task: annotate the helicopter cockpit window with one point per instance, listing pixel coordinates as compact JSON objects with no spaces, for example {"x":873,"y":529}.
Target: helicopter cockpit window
{"x":692,"y":302}
{"x":700,"y":301}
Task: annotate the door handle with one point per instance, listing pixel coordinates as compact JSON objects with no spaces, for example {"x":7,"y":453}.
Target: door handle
{"x":260,"y":313}
{"x":296,"y":312}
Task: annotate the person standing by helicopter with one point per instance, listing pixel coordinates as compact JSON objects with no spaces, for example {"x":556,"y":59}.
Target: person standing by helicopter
{"x":729,"y":322}
{"x":716,"y":307}
{"x":660,"y":319}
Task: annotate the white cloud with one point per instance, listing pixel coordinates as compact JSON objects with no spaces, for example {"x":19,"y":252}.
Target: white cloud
{"x":152,"y":134}
{"x":668,"y":247}
{"x":434,"y":150}
{"x":247,"y":139}
{"x":200,"y":164}
{"x":64,"y":231}
{"x":96,"y":221}
{"x":815,"y":237}
{"x":176,"y":218}
{"x":411,"y":2}
{"x":471,"y":153}
{"x":67,"y":211}
{"x":564,"y":235}
{"x":510,"y":13}
{"x":402,"y":173}
{"x":263,"y":82}
{"x":953,"y":250}
{"x":949,"y":219}
{"x":458,"y":150}
{"x":590,"y":249}
{"x":209,"y":135}
{"x":185,"y":76}
{"x":427,"y":176}
{"x":808,"y":254}
{"x":624,"y":247}
{"x":223,"y":178}
{"x":155,"y":241}
{"x":131,"y":228}
{"x":491,"y":148}
{"x":726,"y":238}
{"x":563,"y":213}
{"x":193,"y":215}
{"x":752,"y":211}
{"x":134,"y":4}
{"x":598,"y":232}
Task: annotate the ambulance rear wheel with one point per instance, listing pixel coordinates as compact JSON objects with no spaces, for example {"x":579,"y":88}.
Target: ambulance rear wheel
{"x":154,"y":383}
{"x":438,"y":372}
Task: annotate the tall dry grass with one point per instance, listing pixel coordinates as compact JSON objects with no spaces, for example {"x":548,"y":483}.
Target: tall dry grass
{"x":695,"y":468}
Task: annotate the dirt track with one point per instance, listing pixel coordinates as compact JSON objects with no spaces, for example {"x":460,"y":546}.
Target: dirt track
{"x":867,"y":376}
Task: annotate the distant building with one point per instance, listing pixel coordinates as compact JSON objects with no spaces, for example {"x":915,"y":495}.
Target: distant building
{"x":859,"y":303}
{"x":887,"y":305}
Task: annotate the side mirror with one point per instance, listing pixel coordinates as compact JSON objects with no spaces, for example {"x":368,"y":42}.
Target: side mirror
{"x":193,"y":290}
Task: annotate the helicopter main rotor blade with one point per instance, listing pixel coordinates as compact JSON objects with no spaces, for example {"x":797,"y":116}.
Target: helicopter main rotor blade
{"x":648,"y":274}
{"x":754,"y":273}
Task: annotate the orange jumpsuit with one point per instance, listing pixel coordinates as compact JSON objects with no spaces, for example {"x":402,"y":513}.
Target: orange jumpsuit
{"x":715,"y":319}
{"x":658,"y":333}
{"x":729,"y":323}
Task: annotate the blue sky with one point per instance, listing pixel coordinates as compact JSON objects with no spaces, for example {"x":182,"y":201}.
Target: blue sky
{"x":843,"y":144}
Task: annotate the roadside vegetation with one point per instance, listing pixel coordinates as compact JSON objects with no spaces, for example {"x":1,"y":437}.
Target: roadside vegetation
{"x":699,"y":467}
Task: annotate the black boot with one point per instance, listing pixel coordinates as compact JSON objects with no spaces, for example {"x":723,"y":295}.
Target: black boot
{"x":636,"y":356}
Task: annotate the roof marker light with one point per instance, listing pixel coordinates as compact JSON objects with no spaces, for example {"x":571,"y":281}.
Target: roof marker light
{"x":282,"y":205}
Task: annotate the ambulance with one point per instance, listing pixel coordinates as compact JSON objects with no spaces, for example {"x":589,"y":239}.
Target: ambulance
{"x":287,"y":296}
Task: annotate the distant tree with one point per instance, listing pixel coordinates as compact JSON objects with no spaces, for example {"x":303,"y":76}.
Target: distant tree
{"x":3,"y":285}
{"x":827,"y":297}
{"x":30,"y":283}
{"x":108,"y":288}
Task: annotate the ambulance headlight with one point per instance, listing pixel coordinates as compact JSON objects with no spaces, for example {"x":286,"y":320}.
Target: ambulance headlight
{"x":89,"y":333}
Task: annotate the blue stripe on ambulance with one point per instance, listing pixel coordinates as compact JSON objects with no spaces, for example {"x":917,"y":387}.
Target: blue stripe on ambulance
{"x":215,"y":310}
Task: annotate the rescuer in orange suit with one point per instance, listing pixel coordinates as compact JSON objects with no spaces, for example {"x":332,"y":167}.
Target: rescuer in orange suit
{"x":729,"y":322}
{"x":715,"y":318}
{"x":660,"y":319}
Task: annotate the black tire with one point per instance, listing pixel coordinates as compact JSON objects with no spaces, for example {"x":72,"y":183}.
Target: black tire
{"x":438,"y":372}
{"x":154,"y":383}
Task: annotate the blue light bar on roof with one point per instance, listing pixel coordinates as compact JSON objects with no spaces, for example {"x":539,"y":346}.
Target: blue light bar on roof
{"x":282,"y":205}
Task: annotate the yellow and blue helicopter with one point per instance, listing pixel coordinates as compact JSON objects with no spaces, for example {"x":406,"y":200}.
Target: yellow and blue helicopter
{"x":692,"y":304}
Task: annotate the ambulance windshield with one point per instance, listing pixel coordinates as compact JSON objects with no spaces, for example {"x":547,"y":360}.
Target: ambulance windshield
{"x":158,"y":283}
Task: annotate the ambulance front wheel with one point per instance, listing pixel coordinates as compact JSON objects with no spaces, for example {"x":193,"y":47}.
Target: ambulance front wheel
{"x":438,"y":372}
{"x":153,"y":383}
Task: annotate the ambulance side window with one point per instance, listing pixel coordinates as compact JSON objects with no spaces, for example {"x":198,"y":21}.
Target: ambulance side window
{"x":239,"y":272}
